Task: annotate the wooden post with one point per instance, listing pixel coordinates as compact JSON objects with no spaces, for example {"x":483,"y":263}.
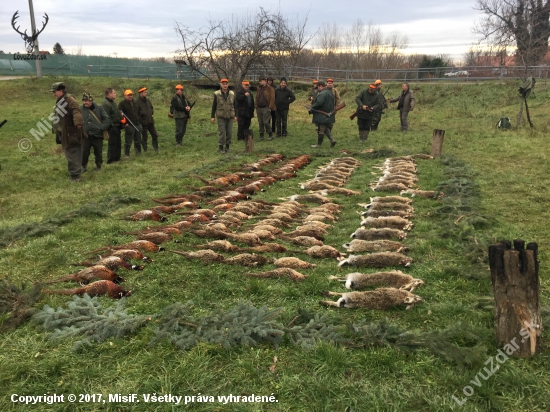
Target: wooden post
{"x":516,"y":286}
{"x":248,"y":141}
{"x":437,"y":142}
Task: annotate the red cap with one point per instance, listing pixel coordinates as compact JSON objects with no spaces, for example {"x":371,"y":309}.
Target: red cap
{"x":372,"y":86}
{"x":330,"y":81}
{"x":224,"y":80}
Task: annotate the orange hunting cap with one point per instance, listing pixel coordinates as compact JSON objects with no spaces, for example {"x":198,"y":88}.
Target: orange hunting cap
{"x":315,"y":81}
{"x":142,"y":89}
{"x":378,"y":81}
{"x":179,"y":87}
{"x":330,"y":81}
{"x":372,"y":86}
{"x":128,"y":92}
{"x":224,"y":81}
{"x":245,"y":82}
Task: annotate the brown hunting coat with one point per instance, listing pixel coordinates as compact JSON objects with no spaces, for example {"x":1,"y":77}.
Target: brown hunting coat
{"x":71,"y":136}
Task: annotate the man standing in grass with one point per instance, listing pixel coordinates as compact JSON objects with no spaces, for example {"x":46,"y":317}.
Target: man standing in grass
{"x":179,"y":109}
{"x":336,"y":94}
{"x":265,"y":103}
{"x":223,"y":108}
{"x":70,"y":131}
{"x":406,"y":104}
{"x":323,"y":105}
{"x":283,"y":98}
{"x":383,"y":105}
{"x":368,"y":102}
{"x":110,"y":107}
{"x":131,"y":132}
{"x":314,"y":91}
{"x":145,"y":112}
{"x":245,"y":109}
{"x":95,"y":122}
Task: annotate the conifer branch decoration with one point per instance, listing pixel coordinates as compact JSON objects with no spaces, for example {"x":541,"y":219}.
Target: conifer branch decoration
{"x":16,"y":304}
{"x":86,"y":317}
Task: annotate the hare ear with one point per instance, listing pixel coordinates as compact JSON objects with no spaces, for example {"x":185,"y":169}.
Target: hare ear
{"x":408,"y":300}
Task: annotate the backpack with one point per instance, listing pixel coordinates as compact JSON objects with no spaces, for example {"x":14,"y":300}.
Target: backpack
{"x":504,"y":123}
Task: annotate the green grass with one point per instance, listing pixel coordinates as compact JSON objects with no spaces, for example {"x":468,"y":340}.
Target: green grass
{"x":511,"y":169}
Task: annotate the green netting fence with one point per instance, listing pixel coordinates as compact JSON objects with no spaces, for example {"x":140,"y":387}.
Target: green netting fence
{"x":69,"y":65}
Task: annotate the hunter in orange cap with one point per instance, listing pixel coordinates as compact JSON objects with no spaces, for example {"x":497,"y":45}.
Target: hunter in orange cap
{"x":372,"y":86}
{"x":180,"y":109}
{"x":368,"y":104}
{"x":128,"y":92}
{"x":223,"y":109}
{"x":314,"y":92}
{"x":145,"y":114}
{"x":224,"y":80}
{"x":330,"y":80}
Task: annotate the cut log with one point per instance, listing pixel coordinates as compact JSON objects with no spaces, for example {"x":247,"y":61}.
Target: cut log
{"x":516,"y":287}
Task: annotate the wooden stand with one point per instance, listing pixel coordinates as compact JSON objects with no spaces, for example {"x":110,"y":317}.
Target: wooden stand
{"x":516,"y":286}
{"x":437,"y":142}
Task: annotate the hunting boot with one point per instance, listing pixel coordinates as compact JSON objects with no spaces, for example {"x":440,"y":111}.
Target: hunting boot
{"x":363,"y":135}
{"x":270,"y":136}
{"x":329,"y":135}
{"x":220,"y":149}
{"x":319,"y":141}
{"x":261,"y":136}
{"x":144,"y":144}
{"x":156,"y":145}
{"x":226,"y":148}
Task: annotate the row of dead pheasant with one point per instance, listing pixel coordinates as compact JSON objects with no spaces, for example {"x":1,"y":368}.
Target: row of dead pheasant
{"x":384,"y":225}
{"x":150,"y":239}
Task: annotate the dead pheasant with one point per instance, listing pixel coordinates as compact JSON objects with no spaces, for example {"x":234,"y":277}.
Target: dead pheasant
{"x":155,"y":237}
{"x":219,"y":246}
{"x":205,"y":256}
{"x":85,"y":276}
{"x":99,"y":288}
{"x":111,"y":262}
{"x":246,"y":259}
{"x":206,"y":212}
{"x":130,"y":254}
{"x":279,"y":273}
{"x":146,"y":215}
{"x":143,"y":245}
{"x":169,"y":230}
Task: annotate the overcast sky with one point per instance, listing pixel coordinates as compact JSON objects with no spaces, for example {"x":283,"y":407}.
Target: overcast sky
{"x":145,"y":28}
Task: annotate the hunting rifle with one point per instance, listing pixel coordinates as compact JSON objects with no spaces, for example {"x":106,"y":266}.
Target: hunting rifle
{"x":171,"y":115}
{"x":126,"y":119}
{"x":337,"y":108}
{"x":355,"y":113}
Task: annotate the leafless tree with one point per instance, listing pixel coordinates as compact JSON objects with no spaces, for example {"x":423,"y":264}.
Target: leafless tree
{"x":522,"y":23}
{"x":329,"y":38}
{"x":231,"y":48}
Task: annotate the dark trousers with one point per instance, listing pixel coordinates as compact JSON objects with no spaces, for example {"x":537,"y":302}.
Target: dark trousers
{"x":154,"y":136}
{"x":181,"y":127}
{"x":97,"y":144}
{"x":403,"y":116}
{"x":74,"y":160}
{"x":282,"y":117}
{"x":273,"y":120}
{"x":114,"y":145}
{"x":364,"y":124}
{"x":131,"y":135}
{"x":243,"y":123}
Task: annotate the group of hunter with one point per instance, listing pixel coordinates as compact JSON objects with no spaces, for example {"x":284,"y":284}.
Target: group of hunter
{"x":80,"y":128}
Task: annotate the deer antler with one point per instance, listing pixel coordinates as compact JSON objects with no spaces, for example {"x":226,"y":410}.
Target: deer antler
{"x":24,"y":35}
{"x":47,"y":19}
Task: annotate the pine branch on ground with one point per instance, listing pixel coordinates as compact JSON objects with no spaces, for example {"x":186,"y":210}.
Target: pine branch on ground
{"x":86,"y":317}
{"x":16,"y":304}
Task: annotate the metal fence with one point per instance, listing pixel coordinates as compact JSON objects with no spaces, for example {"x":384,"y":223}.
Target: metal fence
{"x":68,"y":65}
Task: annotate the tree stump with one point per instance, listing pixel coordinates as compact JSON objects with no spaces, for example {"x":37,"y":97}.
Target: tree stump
{"x":516,"y":286}
{"x":249,"y":143}
{"x":437,"y":142}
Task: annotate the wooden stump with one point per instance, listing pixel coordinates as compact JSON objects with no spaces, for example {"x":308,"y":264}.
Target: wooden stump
{"x":249,"y":143}
{"x":437,"y":142}
{"x":516,"y":286}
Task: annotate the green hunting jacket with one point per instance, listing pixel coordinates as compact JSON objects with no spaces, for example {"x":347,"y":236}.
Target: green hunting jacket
{"x":325,"y":102}
{"x":92,"y":126}
{"x":224,"y":104}
{"x":145,"y":111}
{"x":371,"y":100}
{"x":112,"y":111}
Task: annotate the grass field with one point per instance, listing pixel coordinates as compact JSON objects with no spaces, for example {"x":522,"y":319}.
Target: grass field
{"x":41,"y":235}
